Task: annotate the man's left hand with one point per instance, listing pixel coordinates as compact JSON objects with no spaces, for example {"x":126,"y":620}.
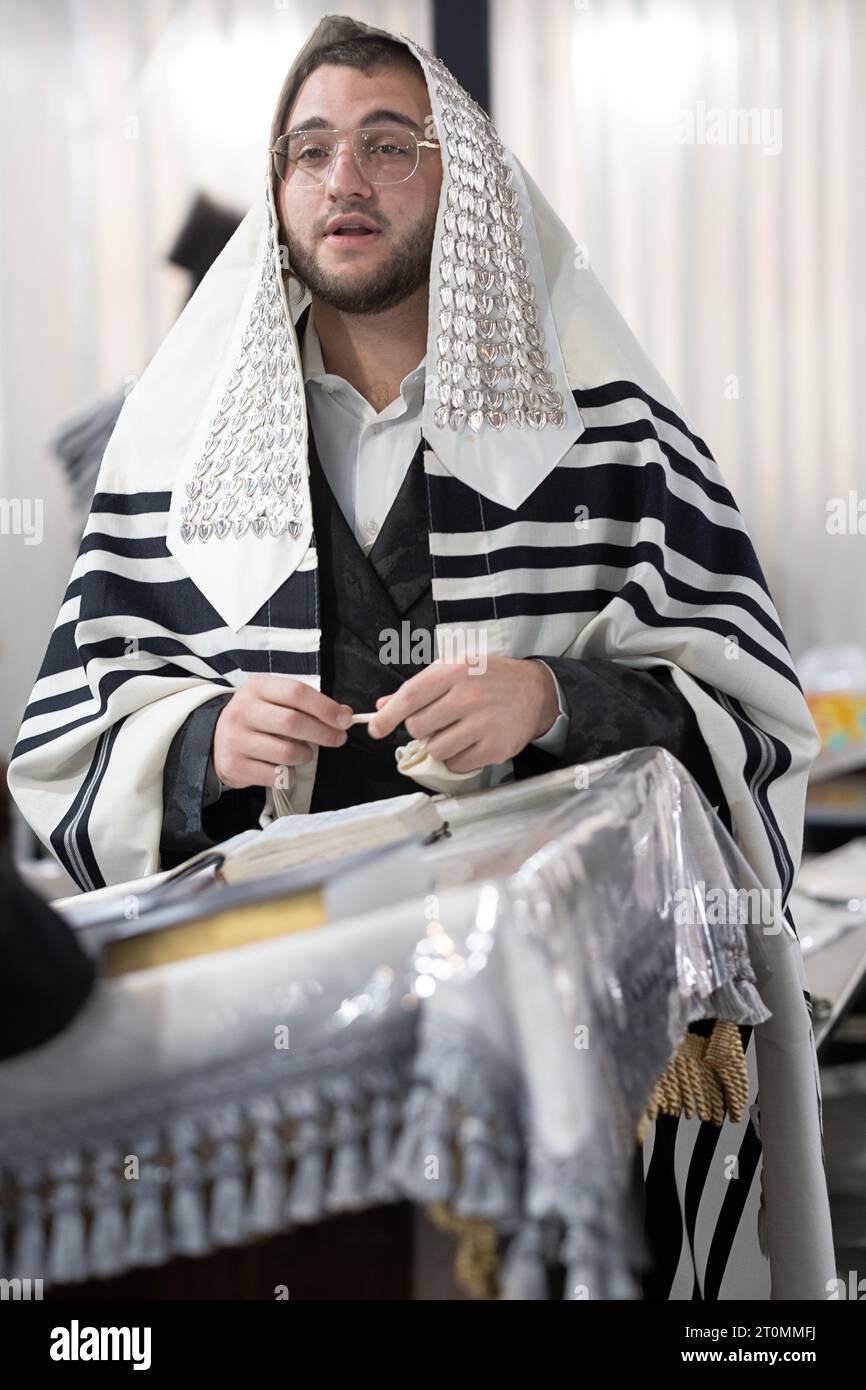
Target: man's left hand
{"x":470,"y":718}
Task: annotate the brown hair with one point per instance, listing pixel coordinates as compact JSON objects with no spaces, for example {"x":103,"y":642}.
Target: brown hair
{"x":366,"y":54}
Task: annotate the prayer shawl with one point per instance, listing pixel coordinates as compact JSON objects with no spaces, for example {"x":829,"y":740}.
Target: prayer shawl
{"x":572,"y":511}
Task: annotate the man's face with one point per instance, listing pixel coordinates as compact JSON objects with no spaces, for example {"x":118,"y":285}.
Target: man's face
{"x":362,"y":275}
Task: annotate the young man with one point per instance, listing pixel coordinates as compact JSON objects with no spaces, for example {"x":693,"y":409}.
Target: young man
{"x":358,"y":449}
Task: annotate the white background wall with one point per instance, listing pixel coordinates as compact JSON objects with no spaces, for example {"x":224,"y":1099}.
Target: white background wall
{"x":727,"y":261}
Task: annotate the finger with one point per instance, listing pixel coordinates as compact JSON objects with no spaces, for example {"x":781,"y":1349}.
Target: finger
{"x":292,"y":694}
{"x":453,"y":741}
{"x":434,"y":718}
{"x":266,"y":718}
{"x":413,"y":695}
{"x":470,"y":760}
{"x":281,"y":752}
{"x":251,"y":772}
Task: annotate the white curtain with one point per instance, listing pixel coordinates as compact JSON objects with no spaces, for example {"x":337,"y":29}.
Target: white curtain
{"x":739,"y":265}
{"x":114,"y":114}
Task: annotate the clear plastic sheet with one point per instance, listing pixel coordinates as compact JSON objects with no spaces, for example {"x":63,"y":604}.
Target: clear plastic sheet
{"x":490,"y":1044}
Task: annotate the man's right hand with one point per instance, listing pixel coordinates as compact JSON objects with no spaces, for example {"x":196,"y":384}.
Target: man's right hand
{"x":269,"y":724}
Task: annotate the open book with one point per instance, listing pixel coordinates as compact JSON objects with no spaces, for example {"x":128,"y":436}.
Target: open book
{"x":285,"y":844}
{"x":294,"y":840}
{"x":301,"y":872}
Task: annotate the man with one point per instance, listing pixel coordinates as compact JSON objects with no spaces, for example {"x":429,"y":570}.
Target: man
{"x":369,"y":319}
{"x":399,"y":402}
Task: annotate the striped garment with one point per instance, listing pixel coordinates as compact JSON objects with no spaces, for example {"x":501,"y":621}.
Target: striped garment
{"x":572,"y":512}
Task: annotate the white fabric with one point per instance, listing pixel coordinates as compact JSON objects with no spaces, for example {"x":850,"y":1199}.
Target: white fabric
{"x":364,"y":452}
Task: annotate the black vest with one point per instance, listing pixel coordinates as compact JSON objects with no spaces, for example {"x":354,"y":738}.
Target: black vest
{"x":361,"y":599}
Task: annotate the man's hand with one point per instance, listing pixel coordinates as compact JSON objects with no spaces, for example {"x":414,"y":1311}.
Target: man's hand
{"x":472,"y":719}
{"x":270,"y":723}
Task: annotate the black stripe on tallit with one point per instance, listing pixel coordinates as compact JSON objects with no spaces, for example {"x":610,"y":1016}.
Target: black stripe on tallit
{"x":731,"y":1213}
{"x":61,"y":654}
{"x":663,"y":1219}
{"x":130,"y":503}
{"x":625,"y":557}
{"x":700,"y":1161}
{"x":640,"y":432}
{"x":225,"y":663}
{"x":109,"y":683}
{"x":78,"y":815}
{"x":584,"y":601}
{"x":132,"y":547}
{"x":178,"y":606}
{"x":610,"y":491}
{"x":52,"y":703}
{"x":595,"y":397}
{"x":779,"y":763}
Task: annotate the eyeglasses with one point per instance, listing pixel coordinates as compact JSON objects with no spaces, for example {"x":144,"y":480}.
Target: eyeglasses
{"x":383,"y":154}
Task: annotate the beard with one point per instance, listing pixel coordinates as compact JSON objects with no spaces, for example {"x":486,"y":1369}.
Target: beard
{"x":389,"y":284}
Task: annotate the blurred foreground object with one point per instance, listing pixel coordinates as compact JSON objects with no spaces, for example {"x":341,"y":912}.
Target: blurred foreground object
{"x":45,"y":978}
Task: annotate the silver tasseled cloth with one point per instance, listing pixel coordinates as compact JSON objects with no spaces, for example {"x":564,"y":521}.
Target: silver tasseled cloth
{"x":491,"y":1046}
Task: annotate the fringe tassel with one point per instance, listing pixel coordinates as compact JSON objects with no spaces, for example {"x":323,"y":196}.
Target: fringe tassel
{"x":148,"y":1238}
{"x":188,"y":1221}
{"x":524,"y":1273}
{"x":268,"y":1187}
{"x":306,"y":1200}
{"x":106,"y":1243}
{"x":423,"y":1162}
{"x":348,"y":1180}
{"x":28,"y":1255}
{"x":487,"y":1179}
{"x":383,"y":1120}
{"x":587,"y":1273}
{"x":227,"y":1199}
{"x":66,"y":1255}
{"x":705,"y":1076}
{"x":187,"y":1217}
{"x":476,"y":1266}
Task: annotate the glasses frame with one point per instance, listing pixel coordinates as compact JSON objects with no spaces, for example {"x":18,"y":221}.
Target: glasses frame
{"x":352,"y":139}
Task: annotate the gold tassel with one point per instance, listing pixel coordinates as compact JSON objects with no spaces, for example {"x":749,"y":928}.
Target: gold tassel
{"x":476,"y":1266}
{"x":705,"y":1076}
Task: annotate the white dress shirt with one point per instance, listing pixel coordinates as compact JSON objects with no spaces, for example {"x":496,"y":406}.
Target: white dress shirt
{"x":365,"y":456}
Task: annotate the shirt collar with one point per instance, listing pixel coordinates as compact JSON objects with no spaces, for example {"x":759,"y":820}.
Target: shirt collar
{"x":313,"y":368}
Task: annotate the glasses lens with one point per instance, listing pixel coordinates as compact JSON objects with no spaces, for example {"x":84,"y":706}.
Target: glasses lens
{"x":308,"y":155}
{"x":387,"y":155}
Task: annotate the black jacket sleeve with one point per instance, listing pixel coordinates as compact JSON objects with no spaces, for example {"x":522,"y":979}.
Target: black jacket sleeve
{"x":612,"y":708}
{"x":197,"y":813}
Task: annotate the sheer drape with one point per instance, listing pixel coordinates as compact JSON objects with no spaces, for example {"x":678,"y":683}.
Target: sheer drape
{"x":740,"y":268}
